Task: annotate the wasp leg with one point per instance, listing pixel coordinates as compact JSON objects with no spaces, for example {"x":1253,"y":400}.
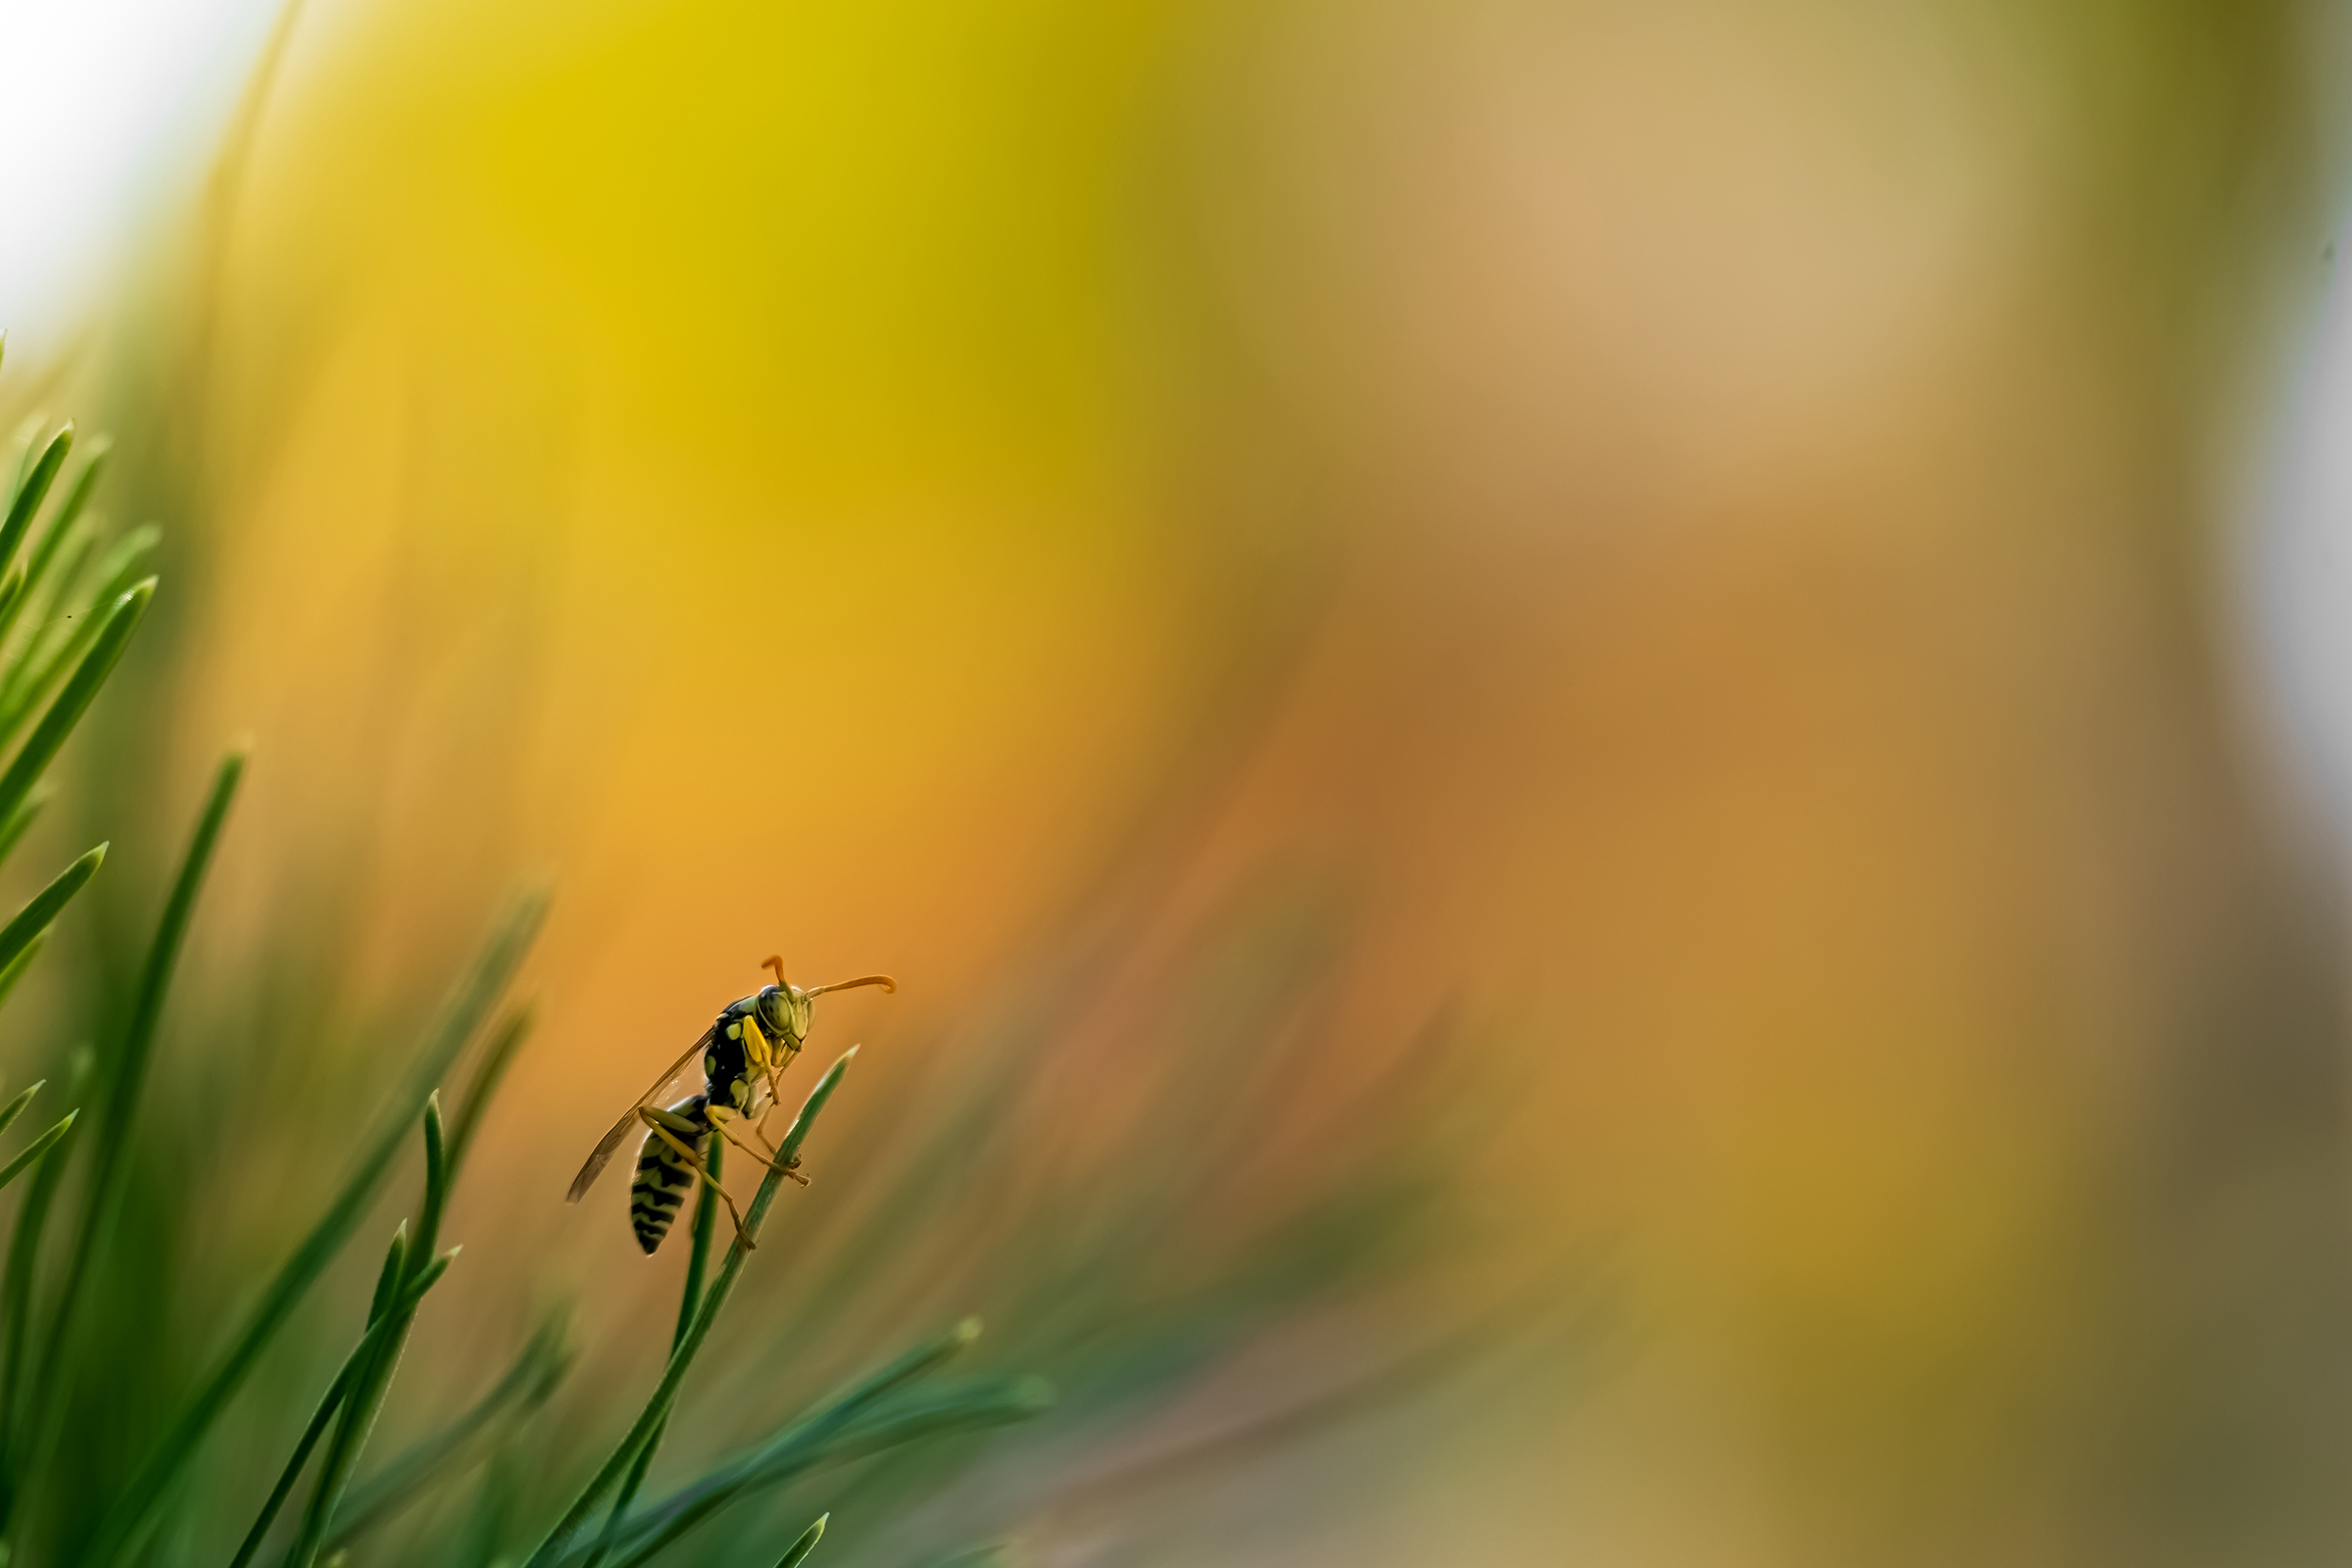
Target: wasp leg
{"x":792,"y":1169}
{"x":764,"y":1159}
{"x":768,"y":1059}
{"x":704,"y":1171}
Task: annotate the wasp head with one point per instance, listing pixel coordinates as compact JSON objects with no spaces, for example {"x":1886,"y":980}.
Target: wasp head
{"x":784,"y":1016}
{"x":784,"y":1008}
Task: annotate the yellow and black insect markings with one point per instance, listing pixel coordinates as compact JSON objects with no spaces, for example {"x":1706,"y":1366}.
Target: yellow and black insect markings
{"x":664,"y":1177}
{"x":744,"y":1053}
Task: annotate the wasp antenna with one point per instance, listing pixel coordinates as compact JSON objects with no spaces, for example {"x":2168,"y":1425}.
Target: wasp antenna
{"x":775,"y":962}
{"x":882,"y":980}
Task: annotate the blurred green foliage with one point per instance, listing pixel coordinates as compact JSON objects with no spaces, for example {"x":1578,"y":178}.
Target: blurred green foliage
{"x":165,"y":1358}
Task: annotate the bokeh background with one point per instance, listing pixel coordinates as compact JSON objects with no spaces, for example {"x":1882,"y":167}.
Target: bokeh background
{"x":1595,"y":739}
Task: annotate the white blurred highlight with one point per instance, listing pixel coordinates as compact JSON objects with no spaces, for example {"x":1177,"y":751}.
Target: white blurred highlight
{"x":105,"y":103}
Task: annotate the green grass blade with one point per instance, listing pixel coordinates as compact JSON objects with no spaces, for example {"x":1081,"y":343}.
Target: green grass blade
{"x":15,"y":1107}
{"x":125,"y":1077}
{"x":113,"y":635}
{"x":33,"y":492}
{"x":45,"y":556}
{"x":12,"y":591}
{"x":30,"y":670}
{"x":36,"y":1148}
{"x":436,"y":1178}
{"x":95,"y":457}
{"x":803,"y":1444}
{"x":61,"y":526}
{"x":798,"y":1553}
{"x":36,"y":671}
{"x":524,"y":1388}
{"x":657,"y":1408}
{"x":698,"y":1257}
{"x":697,"y":1264}
{"x":800,"y":1451}
{"x":328,"y":1404}
{"x":373,"y":1378}
{"x":21,"y":932}
{"x":493,"y":969}
{"x":13,"y":969}
{"x":15,"y":1302}
{"x":48,"y":551}
{"x":20,"y":452}
{"x":121,"y":566}
{"x":43,"y":617}
{"x":387,"y":1278}
{"x":416,"y":1290}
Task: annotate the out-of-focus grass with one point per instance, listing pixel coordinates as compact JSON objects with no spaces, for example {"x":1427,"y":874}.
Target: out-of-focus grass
{"x":178,"y":1390}
{"x":55,"y":657}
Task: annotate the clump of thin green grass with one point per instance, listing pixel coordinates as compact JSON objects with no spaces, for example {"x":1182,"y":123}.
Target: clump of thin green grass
{"x":61,"y":635}
{"x":839,"y":1428}
{"x":63,"y":625}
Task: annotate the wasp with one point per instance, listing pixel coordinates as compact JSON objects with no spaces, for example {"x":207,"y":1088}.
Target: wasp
{"x":744,"y":1053}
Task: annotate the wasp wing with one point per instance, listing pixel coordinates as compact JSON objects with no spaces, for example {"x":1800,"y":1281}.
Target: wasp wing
{"x":602,"y":1156}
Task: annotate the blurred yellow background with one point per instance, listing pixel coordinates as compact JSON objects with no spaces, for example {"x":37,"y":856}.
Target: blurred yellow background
{"x":1700,"y":519}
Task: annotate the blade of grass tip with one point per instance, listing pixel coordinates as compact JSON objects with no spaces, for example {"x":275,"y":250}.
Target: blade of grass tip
{"x":698,"y":1262}
{"x":461,"y":1016}
{"x":497,"y":1057}
{"x":524,"y":1388}
{"x":125,"y":1076}
{"x":387,"y":1278}
{"x":20,"y":820}
{"x":29,"y":922}
{"x":436,"y":1178}
{"x":36,"y":1148}
{"x":657,"y":1408}
{"x":15,"y":1107}
{"x":122,"y":619}
{"x":798,"y":1553}
{"x":33,"y":492}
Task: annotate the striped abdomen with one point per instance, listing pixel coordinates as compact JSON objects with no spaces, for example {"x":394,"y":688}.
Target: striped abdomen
{"x":664,"y":1178}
